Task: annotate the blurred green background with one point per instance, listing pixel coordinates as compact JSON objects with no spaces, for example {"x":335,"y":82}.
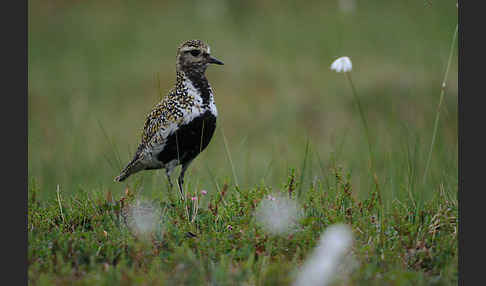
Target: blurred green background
{"x":95,"y":67}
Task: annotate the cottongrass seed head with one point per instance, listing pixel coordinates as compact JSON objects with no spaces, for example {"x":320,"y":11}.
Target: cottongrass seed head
{"x":322,"y":266}
{"x":278,"y":214}
{"x":347,"y":6}
{"x":144,"y":219}
{"x":342,"y":64}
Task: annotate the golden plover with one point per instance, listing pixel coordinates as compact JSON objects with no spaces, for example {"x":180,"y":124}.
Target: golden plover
{"x":181,"y":125}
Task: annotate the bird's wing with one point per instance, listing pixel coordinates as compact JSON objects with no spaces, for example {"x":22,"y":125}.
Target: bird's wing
{"x":161,"y":118}
{"x":155,"y":120}
{"x":161,"y":121}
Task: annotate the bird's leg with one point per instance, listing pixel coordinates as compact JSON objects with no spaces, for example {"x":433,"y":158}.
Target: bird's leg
{"x":181,"y":178}
{"x":168,"y":172}
{"x":181,"y":181}
{"x":171,"y":186}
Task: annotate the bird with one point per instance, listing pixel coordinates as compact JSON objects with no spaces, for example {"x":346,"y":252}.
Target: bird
{"x":181,"y":125}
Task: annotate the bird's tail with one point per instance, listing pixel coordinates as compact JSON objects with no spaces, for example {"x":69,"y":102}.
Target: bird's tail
{"x":131,"y":168}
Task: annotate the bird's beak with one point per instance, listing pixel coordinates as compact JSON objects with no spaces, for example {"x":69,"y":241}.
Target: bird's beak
{"x":213,"y":60}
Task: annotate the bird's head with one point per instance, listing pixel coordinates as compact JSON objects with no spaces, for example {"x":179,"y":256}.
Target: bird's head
{"x":195,"y":55}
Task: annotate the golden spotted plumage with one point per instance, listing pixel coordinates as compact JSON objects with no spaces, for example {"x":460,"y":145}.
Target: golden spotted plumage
{"x":181,"y":125}
{"x":169,"y":110}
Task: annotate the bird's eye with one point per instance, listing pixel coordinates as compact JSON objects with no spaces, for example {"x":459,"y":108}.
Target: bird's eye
{"x":195,"y":53}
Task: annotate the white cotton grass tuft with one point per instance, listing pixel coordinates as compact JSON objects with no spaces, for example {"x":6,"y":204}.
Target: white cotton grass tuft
{"x":347,"y":6}
{"x":278,"y":214}
{"x":321,"y":268}
{"x":144,"y":219}
{"x":342,"y":64}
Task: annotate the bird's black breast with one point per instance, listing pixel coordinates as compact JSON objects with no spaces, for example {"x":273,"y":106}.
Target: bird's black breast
{"x":189,"y":140}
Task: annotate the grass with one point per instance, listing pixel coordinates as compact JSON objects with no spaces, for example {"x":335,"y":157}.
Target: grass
{"x":290,"y":125}
{"x":84,"y":240}
{"x":436,"y":122}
